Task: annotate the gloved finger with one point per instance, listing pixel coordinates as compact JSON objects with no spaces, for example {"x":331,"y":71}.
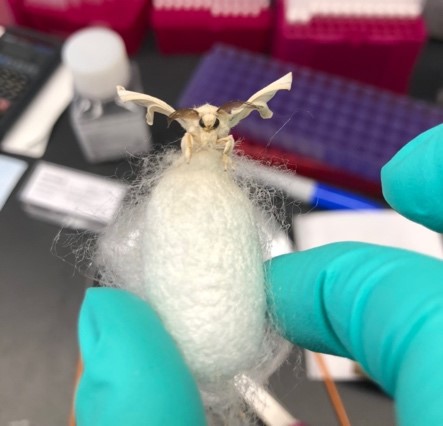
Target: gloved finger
{"x":412,"y":180}
{"x":378,"y":305}
{"x":133,"y":372}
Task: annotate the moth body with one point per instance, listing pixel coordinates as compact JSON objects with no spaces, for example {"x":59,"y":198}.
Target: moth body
{"x":207,"y":126}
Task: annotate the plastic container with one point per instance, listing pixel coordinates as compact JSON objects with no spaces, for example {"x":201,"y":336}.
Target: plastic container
{"x":196,"y":30}
{"x":326,"y":127}
{"x":106,"y":128}
{"x":63,"y":17}
{"x":380,"y":51}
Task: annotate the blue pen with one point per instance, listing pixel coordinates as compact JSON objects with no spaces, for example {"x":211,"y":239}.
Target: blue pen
{"x":306,"y":190}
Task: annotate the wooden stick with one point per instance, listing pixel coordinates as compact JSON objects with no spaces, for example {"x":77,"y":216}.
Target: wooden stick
{"x":332,"y":390}
{"x":78,"y":374}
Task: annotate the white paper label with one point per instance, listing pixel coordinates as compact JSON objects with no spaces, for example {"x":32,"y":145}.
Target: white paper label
{"x":339,"y":368}
{"x":73,"y":194}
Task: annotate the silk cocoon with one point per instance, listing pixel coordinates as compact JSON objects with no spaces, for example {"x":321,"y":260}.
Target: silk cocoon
{"x":189,"y":242}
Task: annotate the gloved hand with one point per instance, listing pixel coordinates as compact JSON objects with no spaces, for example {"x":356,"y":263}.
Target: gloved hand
{"x":380,"y":306}
{"x":133,"y":373}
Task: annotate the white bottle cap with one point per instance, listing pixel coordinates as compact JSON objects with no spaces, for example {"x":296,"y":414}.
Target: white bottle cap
{"x":98,"y":61}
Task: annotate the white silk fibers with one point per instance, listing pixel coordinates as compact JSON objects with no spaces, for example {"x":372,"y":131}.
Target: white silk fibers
{"x":187,"y":241}
{"x":203,"y":266}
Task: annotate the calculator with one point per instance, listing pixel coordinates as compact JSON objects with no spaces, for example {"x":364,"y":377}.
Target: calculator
{"x":27,"y":59}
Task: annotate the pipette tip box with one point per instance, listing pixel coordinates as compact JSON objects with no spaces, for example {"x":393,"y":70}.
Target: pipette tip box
{"x":196,"y":30}
{"x":326,"y":127}
{"x":129,"y":19}
{"x":377,"y":50}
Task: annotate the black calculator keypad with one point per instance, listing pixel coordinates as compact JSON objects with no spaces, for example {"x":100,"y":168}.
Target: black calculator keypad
{"x":27,"y":59}
{"x":12,"y":85}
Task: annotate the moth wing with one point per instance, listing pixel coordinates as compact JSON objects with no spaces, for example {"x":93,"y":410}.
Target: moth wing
{"x":260,"y":100}
{"x":151,"y":104}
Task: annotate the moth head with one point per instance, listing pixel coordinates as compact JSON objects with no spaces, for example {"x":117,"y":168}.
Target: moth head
{"x":209,"y":117}
{"x":209,"y":121}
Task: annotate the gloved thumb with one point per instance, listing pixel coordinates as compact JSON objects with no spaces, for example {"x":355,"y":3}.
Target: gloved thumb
{"x":412,"y":180}
{"x":133,"y":372}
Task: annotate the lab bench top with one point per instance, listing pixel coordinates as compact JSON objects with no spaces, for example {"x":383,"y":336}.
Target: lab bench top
{"x":41,"y":290}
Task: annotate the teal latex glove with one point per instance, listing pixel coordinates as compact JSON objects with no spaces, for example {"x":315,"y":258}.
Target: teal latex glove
{"x":380,"y":306}
{"x":133,"y":373}
{"x":413,"y":179}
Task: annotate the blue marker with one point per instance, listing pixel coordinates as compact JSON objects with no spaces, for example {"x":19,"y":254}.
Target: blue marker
{"x":307,"y":190}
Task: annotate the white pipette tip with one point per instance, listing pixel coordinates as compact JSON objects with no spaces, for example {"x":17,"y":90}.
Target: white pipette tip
{"x":267,"y":408}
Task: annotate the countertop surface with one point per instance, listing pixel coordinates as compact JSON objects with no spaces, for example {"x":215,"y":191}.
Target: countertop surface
{"x":41,"y":289}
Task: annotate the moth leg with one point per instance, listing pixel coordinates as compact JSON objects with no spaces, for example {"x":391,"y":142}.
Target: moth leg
{"x":227,"y":151}
{"x":186,"y":146}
